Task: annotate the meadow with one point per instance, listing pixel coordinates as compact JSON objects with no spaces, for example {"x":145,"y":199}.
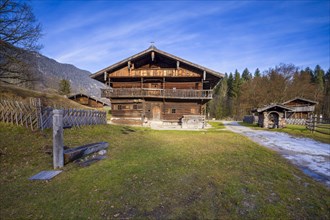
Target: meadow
{"x":212,"y":174}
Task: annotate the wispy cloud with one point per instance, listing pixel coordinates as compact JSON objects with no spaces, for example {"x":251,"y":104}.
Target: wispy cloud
{"x":223,"y":35}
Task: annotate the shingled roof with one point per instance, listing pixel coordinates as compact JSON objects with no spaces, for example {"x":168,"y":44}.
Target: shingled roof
{"x":156,"y":50}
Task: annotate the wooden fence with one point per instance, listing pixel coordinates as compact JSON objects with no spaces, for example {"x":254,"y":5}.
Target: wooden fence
{"x":318,"y":124}
{"x":19,"y":113}
{"x":295,"y":121}
{"x":32,"y":115}
{"x":73,"y":118}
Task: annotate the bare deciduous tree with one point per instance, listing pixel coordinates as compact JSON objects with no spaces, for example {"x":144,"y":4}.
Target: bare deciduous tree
{"x":19,"y":34}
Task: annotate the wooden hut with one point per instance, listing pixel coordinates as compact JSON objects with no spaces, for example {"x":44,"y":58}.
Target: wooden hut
{"x":301,"y":108}
{"x":272,"y":116}
{"x":157,"y":86}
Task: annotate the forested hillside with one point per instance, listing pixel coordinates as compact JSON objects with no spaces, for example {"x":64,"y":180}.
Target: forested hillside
{"x":237,"y":94}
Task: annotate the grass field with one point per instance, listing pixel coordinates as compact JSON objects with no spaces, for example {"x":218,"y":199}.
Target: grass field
{"x":296,"y":130}
{"x":151,"y":174}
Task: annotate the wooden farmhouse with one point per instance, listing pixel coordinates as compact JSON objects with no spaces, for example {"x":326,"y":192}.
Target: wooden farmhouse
{"x":87,"y":100}
{"x":155,"y":86}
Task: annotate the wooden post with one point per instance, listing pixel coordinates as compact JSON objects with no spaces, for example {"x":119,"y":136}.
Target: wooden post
{"x":58,"y":160}
{"x":314,"y":123}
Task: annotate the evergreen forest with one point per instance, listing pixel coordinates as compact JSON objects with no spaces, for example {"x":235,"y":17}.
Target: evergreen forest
{"x":239,"y":93}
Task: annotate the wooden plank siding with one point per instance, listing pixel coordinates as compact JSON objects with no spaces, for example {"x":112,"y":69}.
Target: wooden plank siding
{"x":156,"y":72}
{"x":301,"y":108}
{"x":168,"y":110}
{"x":87,"y":100}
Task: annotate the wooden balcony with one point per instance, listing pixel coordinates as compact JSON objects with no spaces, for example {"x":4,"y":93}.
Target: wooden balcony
{"x":156,"y":93}
{"x":302,"y":108}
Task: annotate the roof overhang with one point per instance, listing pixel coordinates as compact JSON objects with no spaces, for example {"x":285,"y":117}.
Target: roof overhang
{"x":157,"y":51}
{"x":302,"y":99}
{"x":274,"y":106}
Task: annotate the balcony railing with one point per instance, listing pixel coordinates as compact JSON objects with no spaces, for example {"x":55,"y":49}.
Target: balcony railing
{"x":156,"y":93}
{"x":303,"y":108}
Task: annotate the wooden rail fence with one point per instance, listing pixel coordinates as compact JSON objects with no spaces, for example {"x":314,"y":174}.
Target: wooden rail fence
{"x":318,"y":124}
{"x":32,"y":115}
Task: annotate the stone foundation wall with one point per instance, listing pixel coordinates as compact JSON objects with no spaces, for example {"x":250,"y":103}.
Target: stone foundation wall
{"x":193,"y":121}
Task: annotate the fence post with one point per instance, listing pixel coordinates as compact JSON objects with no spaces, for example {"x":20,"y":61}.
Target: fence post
{"x":314,"y":123}
{"x":58,"y":160}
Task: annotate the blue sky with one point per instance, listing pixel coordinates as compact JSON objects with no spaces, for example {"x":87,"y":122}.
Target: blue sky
{"x":220,"y":35}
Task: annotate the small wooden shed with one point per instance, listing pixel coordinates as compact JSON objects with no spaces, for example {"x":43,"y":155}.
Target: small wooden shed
{"x":87,"y":100}
{"x":301,"y":108}
{"x":272,"y":116}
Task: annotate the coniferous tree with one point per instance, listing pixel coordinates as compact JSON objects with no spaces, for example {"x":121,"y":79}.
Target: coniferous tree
{"x":257,"y":73}
{"x":246,"y":75}
{"x":64,"y":87}
{"x":319,"y":77}
{"x":310,"y":72}
{"x":326,"y":99}
{"x":230,"y":94}
{"x":230,"y":82}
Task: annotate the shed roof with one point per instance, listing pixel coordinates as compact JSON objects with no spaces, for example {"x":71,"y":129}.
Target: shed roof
{"x":275,"y":106}
{"x":105,"y":102}
{"x":302,"y":99}
{"x":154,"y":49}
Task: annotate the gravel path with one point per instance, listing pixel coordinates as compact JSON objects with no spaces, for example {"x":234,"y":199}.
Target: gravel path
{"x":311,"y":156}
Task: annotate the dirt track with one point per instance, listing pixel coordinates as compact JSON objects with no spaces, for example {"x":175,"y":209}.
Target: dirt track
{"x":311,"y":156}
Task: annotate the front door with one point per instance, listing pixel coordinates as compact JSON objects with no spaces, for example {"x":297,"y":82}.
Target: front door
{"x":156,"y":113}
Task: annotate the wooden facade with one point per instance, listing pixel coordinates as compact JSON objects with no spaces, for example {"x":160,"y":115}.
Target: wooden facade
{"x":156,"y":86}
{"x":86,"y":100}
{"x":301,"y":108}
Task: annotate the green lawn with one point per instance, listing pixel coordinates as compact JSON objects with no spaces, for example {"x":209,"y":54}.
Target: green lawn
{"x":216,"y":125}
{"x":155,"y":175}
{"x":299,"y":131}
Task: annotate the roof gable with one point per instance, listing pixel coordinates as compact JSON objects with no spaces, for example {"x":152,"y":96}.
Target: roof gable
{"x":275,"y":107}
{"x":300,"y":99}
{"x":159,"y":54}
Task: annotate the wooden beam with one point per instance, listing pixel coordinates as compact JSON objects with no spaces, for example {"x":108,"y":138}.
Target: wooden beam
{"x":204,"y":75}
{"x":152,"y":56}
{"x":58,"y":138}
{"x":129,"y":65}
{"x":105,"y":76}
{"x":79,"y":152}
{"x":177,"y":64}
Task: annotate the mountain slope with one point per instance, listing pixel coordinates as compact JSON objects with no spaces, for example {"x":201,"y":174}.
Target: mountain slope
{"x":51,"y":72}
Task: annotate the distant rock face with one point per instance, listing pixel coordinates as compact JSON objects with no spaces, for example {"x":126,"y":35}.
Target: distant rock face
{"x":50,"y":72}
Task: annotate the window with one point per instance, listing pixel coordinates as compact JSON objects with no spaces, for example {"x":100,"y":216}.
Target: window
{"x":173,"y":110}
{"x":119,"y":107}
{"x":135,"y":107}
